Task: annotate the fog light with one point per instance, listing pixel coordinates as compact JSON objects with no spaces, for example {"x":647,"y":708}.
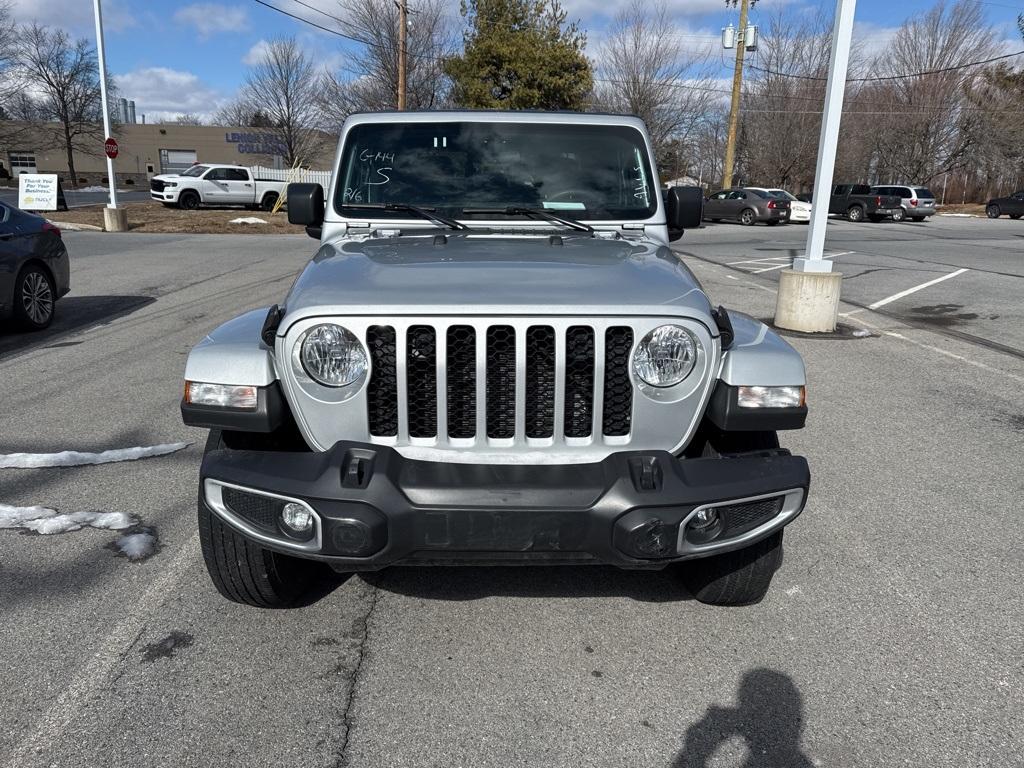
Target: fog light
{"x":297,"y":518}
{"x":704,"y":519}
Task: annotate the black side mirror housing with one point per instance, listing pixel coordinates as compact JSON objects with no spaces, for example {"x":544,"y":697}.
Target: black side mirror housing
{"x":684,"y":209}
{"x":306,"y":207}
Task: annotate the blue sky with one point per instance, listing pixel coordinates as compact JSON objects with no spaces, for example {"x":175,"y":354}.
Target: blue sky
{"x":175,"y":57}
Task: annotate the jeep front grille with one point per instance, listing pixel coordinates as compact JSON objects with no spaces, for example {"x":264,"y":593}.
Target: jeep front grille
{"x":534,"y":383}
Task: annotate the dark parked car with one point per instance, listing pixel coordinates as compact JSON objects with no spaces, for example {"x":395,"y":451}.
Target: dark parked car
{"x":34,"y":268}
{"x":1012,"y":206}
{"x":747,"y":206}
{"x":857,"y":202}
{"x":916,"y":203}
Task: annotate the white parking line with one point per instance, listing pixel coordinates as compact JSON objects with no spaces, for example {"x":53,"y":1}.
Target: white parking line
{"x":915,"y":289}
{"x":758,"y":261}
{"x":783,"y":266}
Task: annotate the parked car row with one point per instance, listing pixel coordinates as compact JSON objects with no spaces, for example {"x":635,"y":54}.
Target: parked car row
{"x":855,"y":202}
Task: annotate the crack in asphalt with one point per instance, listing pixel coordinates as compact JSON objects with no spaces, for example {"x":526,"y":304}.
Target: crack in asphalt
{"x":362,"y":636}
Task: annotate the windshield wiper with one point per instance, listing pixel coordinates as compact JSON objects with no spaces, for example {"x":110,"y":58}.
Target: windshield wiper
{"x":538,"y":213}
{"x":426,"y":213}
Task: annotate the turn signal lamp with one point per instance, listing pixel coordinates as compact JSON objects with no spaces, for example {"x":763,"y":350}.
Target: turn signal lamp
{"x":221,"y":395}
{"x":771,"y":397}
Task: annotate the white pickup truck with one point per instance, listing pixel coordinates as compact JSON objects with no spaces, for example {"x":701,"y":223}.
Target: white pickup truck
{"x":212,"y":184}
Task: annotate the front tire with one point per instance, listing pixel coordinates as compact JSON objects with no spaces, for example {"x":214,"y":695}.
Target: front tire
{"x":735,"y":578}
{"x":245,"y":572}
{"x":992,"y":211}
{"x":34,"y":298}
{"x":189,"y":201}
{"x":269,"y":201}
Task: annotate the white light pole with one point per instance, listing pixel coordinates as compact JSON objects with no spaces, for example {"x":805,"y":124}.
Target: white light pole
{"x":101,"y":59}
{"x":808,"y":298}
{"x":842,"y":31}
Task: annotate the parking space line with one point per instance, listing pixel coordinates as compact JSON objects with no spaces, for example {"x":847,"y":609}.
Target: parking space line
{"x":757,"y":261}
{"x":783,"y":266}
{"x":915,"y":289}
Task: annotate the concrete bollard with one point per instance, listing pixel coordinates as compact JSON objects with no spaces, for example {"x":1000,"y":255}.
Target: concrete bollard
{"x":115,"y":219}
{"x":808,"y":301}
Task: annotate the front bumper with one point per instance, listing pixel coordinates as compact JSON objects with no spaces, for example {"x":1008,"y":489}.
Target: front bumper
{"x":373,"y":508}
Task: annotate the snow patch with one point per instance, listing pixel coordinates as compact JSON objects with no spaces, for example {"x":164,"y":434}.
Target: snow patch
{"x":247,"y":220}
{"x":46,"y":521}
{"x":793,"y":591}
{"x":960,"y":215}
{"x":136,"y":546}
{"x":860,"y":333}
{"x":77,"y":458}
{"x":96,"y":188}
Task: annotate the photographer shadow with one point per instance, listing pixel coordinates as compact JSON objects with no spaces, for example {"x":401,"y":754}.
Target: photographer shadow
{"x":769,"y":718}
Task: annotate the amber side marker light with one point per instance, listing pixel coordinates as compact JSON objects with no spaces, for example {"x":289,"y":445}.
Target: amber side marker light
{"x":243,"y":397}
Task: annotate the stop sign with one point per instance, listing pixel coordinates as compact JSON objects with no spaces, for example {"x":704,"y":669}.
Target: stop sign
{"x":110,"y":148}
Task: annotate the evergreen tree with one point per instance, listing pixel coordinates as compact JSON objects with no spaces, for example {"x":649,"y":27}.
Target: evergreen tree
{"x":520,"y":54}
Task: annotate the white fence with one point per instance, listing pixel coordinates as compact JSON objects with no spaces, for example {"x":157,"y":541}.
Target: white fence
{"x":323,"y":178}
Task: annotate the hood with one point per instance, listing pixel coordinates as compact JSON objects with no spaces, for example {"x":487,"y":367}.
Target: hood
{"x":506,"y":274}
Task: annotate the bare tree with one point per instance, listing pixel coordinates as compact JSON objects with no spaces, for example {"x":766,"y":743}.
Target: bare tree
{"x":59,"y":91}
{"x":644,"y":69}
{"x":369,"y":79}
{"x":921,"y":129}
{"x":284,"y":86}
{"x":780,"y":116}
{"x":188,"y":118}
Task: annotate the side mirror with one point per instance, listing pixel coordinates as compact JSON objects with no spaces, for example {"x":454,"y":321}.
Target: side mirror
{"x":684,"y":209}
{"x":306,"y":206}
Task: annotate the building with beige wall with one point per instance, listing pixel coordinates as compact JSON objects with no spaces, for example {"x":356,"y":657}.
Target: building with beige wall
{"x":145,"y":150}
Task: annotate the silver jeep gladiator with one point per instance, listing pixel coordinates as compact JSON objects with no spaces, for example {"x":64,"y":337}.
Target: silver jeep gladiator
{"x":494,"y":358}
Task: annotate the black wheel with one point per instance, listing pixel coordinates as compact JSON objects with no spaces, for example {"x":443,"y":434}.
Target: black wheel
{"x":189,"y":200}
{"x":992,"y":211}
{"x":269,"y":201}
{"x":34,"y":298}
{"x":899,"y":215}
{"x":741,"y":577}
{"x":245,"y":572}
{"x":747,"y":217}
{"x":855,"y":213}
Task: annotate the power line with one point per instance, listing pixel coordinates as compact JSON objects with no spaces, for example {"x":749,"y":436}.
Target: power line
{"x":894,"y":77}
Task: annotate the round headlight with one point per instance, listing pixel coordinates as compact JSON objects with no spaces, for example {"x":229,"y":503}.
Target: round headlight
{"x":332,"y":356}
{"x":665,"y":356}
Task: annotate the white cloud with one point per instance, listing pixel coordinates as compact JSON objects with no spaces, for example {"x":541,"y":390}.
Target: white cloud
{"x":213,"y":18}
{"x":872,"y":39}
{"x":74,"y":15}
{"x":162,"y":93}
{"x":256,"y":53}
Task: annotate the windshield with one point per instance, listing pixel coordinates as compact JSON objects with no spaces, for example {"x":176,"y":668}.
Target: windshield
{"x":584,"y":171}
{"x":196,"y":170}
{"x":780,"y":194}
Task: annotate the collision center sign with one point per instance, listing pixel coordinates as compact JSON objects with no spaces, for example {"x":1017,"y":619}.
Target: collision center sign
{"x":37,"y":191}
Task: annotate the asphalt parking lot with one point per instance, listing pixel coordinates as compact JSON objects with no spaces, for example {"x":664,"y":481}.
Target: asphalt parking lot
{"x":891,"y":636}
{"x":975,"y":268}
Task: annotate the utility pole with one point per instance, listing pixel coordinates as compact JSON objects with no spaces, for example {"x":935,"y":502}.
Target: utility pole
{"x":737,"y":85}
{"x":403,"y":26}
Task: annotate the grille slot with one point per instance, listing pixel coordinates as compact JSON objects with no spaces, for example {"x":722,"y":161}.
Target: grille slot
{"x":618,"y":390}
{"x":421,"y":371}
{"x":501,"y":381}
{"x":579,"y":381}
{"x":540,"y":381}
{"x":382,"y":391}
{"x":460,"y":374}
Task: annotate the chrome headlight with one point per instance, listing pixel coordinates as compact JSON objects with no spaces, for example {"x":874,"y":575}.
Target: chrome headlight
{"x":331,"y":355}
{"x":665,"y":356}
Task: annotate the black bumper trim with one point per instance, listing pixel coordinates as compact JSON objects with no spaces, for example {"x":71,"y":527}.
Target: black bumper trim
{"x":419,"y":511}
{"x":725,"y":413}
